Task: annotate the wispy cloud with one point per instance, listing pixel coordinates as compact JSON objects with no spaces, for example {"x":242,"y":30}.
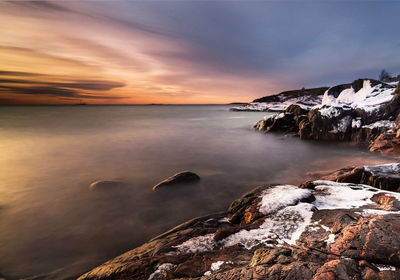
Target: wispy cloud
{"x":190,"y":51}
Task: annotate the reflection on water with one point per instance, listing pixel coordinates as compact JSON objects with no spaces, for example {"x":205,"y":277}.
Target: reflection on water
{"x":49,"y":217}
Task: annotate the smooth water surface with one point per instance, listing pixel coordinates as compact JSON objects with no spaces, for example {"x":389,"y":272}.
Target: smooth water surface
{"x":49,"y":217}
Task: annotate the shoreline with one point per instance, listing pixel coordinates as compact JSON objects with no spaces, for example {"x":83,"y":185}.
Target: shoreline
{"x":200,"y":239}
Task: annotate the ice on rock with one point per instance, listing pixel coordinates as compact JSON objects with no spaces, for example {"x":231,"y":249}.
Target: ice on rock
{"x":285,"y":226}
{"x":280,"y":196}
{"x":197,"y":244}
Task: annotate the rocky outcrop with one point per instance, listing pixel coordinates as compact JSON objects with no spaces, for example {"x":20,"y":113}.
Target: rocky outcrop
{"x":279,"y":102}
{"x":364,"y":111}
{"x":178,"y":178}
{"x":323,"y":230}
{"x":383,"y":176}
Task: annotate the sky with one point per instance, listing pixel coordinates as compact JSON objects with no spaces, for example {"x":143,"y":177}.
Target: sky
{"x":189,"y":52}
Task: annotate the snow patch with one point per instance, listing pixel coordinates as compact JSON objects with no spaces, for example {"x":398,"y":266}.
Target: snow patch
{"x":197,"y":244}
{"x":161,"y":270}
{"x":389,"y":169}
{"x":285,"y":226}
{"x":369,"y":212}
{"x":280,"y":196}
{"x":330,"y":239}
{"x":383,"y":267}
{"x":368,"y":98}
{"x":381,"y":124}
{"x":342,"y":125}
{"x":216,"y":265}
{"x":356,"y":123}
{"x":341,"y":195}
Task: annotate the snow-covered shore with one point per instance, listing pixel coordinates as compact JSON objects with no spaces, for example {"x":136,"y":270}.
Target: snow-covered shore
{"x":316,"y":229}
{"x":364,"y":111}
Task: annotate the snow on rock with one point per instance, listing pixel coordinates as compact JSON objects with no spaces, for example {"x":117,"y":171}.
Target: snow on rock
{"x":388,"y":169}
{"x":356,"y":123}
{"x":374,"y":212}
{"x":330,"y":239}
{"x":341,"y":195}
{"x":367,"y":98}
{"x":381,"y":124}
{"x":278,"y":197}
{"x":286,"y":218}
{"x":302,"y":101}
{"x":216,"y":265}
{"x":197,"y":244}
{"x":383,"y":267}
{"x":161,"y":270}
{"x":285,"y":226}
{"x":342,"y":125}
{"x":332,"y":111}
{"x":334,"y":195}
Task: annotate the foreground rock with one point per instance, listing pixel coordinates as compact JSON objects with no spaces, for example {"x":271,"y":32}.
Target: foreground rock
{"x":178,"y":178}
{"x":322,"y":230}
{"x":105,"y":185}
{"x":364,"y":111}
{"x":279,"y":102}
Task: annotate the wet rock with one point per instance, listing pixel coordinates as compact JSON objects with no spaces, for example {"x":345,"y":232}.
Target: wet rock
{"x":178,"y":178}
{"x":307,"y":185}
{"x":296,"y":110}
{"x":105,"y":185}
{"x":386,"y":202}
{"x":224,"y":232}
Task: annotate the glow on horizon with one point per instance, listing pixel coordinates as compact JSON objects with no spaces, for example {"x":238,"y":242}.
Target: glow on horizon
{"x":45,"y":46}
{"x":187,"y":52}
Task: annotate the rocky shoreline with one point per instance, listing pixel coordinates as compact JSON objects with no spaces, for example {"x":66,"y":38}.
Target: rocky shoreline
{"x":365,"y":111}
{"x":343,"y":226}
{"x":337,"y":229}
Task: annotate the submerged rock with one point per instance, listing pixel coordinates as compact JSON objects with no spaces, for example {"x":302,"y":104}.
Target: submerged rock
{"x":105,"y":185}
{"x":178,"y":178}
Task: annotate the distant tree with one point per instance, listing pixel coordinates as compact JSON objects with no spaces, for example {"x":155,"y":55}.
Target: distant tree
{"x":398,"y":88}
{"x":384,"y":75}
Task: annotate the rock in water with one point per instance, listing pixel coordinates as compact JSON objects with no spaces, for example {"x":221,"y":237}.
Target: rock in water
{"x":178,"y":178}
{"x":104,"y":184}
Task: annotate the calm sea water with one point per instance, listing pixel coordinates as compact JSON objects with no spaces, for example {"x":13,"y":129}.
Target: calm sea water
{"x":50,"y":219}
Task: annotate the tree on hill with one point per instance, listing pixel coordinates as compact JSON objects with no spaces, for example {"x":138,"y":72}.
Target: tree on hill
{"x":384,"y":75}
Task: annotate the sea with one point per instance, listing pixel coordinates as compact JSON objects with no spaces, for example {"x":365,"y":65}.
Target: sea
{"x":53,"y":223}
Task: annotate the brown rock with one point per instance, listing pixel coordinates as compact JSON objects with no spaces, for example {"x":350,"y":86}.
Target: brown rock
{"x":386,"y":202}
{"x":178,"y":178}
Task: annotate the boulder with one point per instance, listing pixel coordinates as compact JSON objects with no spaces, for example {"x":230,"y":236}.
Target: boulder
{"x":105,"y":185}
{"x":178,"y":178}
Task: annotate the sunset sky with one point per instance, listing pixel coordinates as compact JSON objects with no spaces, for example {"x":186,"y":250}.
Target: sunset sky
{"x":189,"y":51}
